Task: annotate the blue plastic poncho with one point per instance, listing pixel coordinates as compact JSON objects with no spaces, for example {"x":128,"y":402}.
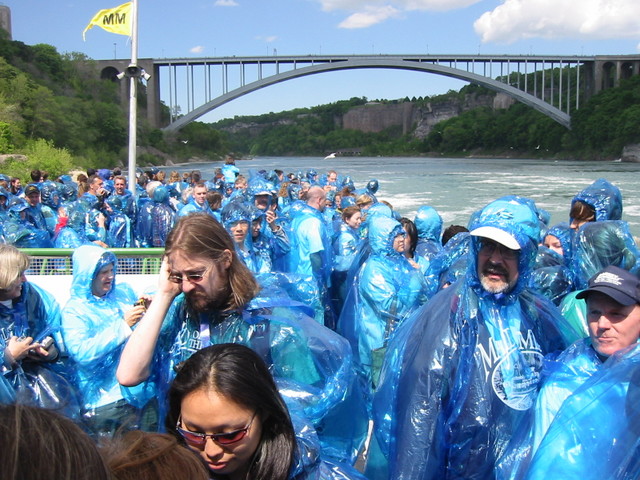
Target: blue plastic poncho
{"x":72,"y":234}
{"x":46,"y":384}
{"x":564,"y":375}
{"x":386,"y":289}
{"x":346,"y":244}
{"x":120,"y":231}
{"x":310,"y":255}
{"x":429,"y":225}
{"x":236,"y":212}
{"x":21,"y":233}
{"x":604,"y":197}
{"x":563,"y":232}
{"x":94,"y":331}
{"x":596,"y":433}
{"x":448,"y":265}
{"x":310,"y":463}
{"x":462,"y":372}
{"x":270,"y":246}
{"x":194,"y":207}
{"x":310,"y":363}
{"x":163,"y":217}
{"x":596,"y":246}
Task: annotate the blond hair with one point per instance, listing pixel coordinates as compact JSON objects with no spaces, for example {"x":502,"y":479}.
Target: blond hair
{"x":13,"y":264}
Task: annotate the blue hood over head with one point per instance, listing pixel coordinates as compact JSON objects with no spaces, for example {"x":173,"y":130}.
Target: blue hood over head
{"x":514,"y":217}
{"x":604,"y":197}
{"x":428,"y":223}
{"x":382,"y":231}
{"x":87,"y":262}
{"x":234,"y":212}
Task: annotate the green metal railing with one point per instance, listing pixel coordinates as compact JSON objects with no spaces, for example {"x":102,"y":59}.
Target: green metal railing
{"x":57,"y":261}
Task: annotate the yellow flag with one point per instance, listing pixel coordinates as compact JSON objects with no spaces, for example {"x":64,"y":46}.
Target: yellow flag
{"x":115,"y":20}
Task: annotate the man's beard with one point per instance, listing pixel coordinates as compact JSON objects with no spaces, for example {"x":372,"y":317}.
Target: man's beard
{"x":200,"y":302}
{"x":493,"y":286}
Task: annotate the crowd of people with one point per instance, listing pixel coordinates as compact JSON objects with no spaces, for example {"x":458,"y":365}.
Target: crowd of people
{"x":301,"y":328}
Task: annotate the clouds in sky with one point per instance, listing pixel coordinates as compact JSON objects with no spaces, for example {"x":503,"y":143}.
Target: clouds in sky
{"x":226,"y":3}
{"x":197,"y":49}
{"x":589,"y":19}
{"x":512,"y":20}
{"x":371,"y":12}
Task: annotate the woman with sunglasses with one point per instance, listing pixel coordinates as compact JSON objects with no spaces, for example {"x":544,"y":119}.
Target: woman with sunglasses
{"x":225,"y":406}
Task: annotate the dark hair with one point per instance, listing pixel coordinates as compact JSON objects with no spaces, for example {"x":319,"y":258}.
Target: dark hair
{"x":237,"y":373}
{"x":35,"y":175}
{"x":412,"y":232}
{"x":582,"y":211}
{"x":451,"y":231}
{"x":214,"y":199}
{"x":201,"y":235}
{"x":38,"y":443}
{"x":138,"y":455}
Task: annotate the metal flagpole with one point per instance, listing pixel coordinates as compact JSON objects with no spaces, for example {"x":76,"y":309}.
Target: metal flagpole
{"x":133,"y":74}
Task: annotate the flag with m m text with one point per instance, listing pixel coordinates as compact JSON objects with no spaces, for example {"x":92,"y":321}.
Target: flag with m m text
{"x":115,"y":20}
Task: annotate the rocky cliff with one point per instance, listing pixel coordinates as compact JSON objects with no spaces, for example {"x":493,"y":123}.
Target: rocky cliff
{"x":416,"y":119}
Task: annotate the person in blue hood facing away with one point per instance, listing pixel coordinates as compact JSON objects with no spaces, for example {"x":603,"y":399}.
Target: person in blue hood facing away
{"x":429,"y":225}
{"x":462,"y":372}
{"x":96,"y":322}
{"x":599,"y":201}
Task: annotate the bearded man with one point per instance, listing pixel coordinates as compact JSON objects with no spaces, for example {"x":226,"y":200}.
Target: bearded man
{"x":462,"y":373}
{"x":206,"y":295}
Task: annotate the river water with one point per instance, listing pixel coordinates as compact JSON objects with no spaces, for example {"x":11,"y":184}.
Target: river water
{"x":458,"y":186}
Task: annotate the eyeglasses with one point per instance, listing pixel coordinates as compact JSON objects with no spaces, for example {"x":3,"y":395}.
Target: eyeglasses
{"x":489,"y":247}
{"x":226,"y":438}
{"x":191,"y":277}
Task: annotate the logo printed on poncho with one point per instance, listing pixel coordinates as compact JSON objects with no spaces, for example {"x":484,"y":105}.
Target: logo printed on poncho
{"x":513,"y":368}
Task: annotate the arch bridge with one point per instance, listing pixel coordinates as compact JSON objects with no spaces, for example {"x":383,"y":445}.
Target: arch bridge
{"x":553,"y":85}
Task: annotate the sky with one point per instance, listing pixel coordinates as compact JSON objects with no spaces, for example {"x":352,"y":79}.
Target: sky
{"x":213,"y":28}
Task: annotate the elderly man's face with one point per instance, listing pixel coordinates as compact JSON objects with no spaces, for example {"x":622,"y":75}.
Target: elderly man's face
{"x":612,"y":326}
{"x":497,"y":266}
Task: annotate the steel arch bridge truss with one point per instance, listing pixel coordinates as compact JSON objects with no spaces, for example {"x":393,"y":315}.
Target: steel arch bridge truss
{"x":521,"y":77}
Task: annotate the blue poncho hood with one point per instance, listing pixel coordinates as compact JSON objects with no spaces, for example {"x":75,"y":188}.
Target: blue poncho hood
{"x":235,"y":211}
{"x":513,"y":216}
{"x":604,"y":197}
{"x":600,"y":244}
{"x":382,"y":232}
{"x":87,"y":262}
{"x":428,"y":223}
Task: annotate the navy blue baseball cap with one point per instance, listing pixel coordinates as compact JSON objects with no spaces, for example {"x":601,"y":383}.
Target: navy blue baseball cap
{"x":615,"y":282}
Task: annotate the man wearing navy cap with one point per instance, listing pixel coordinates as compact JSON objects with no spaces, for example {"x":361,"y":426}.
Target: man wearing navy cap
{"x":613,"y":310}
{"x":613,"y":317}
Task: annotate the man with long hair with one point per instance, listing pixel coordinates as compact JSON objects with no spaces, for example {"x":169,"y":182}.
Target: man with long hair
{"x":206,"y":295}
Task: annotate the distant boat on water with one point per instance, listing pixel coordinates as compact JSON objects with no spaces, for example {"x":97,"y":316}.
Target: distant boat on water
{"x":330,"y":156}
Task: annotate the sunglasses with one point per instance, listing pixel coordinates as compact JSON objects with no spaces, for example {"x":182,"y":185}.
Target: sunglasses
{"x":191,"y":277}
{"x":200,"y":439}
